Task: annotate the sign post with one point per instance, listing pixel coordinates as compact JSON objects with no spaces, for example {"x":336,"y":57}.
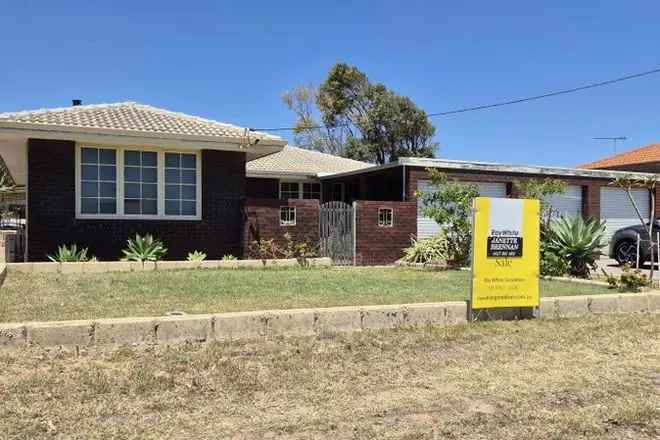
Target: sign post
{"x":505,"y":254}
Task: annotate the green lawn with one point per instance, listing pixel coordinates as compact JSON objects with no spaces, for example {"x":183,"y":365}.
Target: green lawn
{"x":46,"y":297}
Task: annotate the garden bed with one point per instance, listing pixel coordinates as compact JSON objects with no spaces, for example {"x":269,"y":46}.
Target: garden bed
{"x":63,"y":296}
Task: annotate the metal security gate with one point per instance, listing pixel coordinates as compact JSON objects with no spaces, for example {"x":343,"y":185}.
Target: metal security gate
{"x":337,"y":232}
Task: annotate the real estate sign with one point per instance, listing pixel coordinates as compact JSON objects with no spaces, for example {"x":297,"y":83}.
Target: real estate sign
{"x":505,"y":253}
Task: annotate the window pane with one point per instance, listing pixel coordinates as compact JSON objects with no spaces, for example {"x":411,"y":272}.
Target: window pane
{"x":172,"y":175}
{"x":132,"y":174}
{"x":188,"y":208}
{"x":172,"y":192}
{"x":132,"y":190}
{"x":149,"y":175}
{"x":188,"y":161}
{"x":108,"y":206}
{"x":108,"y":173}
{"x":107,"y":156}
{"x":188,"y":176}
{"x":149,"y":158}
{"x":108,"y":190}
{"x":149,"y":207}
{"x":90,"y":172}
{"x":171,"y":160}
{"x":149,"y":191}
{"x":188,"y":192}
{"x":172,"y":207}
{"x":89,"y":206}
{"x":131,"y":206}
{"x":132,"y":158}
{"x":89,"y":155}
{"x":89,"y":189}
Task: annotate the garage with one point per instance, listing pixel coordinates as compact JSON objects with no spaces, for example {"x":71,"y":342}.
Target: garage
{"x":427,"y":227}
{"x":568,"y":204}
{"x":618,"y":212}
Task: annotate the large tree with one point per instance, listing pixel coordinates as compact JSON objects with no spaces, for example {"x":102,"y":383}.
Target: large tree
{"x":349,"y":116}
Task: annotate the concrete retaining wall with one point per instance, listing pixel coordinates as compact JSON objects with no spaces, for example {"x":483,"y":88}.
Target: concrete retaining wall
{"x":129,"y":266}
{"x":300,"y":322}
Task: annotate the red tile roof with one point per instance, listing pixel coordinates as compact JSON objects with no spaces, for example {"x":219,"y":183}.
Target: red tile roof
{"x":646,"y":154}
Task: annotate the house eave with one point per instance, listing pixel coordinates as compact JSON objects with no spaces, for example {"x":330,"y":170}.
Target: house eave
{"x":459,"y":165}
{"x":281,"y":175}
{"x":102,"y":136}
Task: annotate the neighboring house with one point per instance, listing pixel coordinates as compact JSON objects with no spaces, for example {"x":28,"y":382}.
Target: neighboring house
{"x":643,"y":159}
{"x":295,"y":173}
{"x":97,"y":174}
{"x":589,"y":192}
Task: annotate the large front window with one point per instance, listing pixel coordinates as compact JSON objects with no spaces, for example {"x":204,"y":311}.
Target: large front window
{"x":137,"y":183}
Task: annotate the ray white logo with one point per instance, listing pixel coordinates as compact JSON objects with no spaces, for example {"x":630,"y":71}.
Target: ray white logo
{"x":505,"y":238}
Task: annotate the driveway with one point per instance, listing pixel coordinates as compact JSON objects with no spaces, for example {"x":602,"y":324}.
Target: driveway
{"x":612,"y":267}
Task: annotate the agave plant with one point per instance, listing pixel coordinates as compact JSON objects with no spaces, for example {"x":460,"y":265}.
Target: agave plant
{"x":578,"y":242}
{"x":196,"y":256}
{"x":430,"y":250}
{"x":143,"y":249}
{"x":72,"y":254}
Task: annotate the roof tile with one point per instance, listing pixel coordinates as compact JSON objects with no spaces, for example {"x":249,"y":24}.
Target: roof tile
{"x":293,"y":160}
{"x":131,"y":116}
{"x":645,"y":154}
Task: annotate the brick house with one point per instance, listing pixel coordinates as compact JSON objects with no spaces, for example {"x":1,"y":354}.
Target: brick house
{"x":95,"y":175}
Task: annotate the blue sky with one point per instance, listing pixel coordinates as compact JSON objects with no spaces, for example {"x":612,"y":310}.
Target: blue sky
{"x":231,"y":61}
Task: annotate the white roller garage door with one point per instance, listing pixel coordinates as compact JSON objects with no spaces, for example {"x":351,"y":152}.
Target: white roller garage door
{"x":427,"y":227}
{"x":568,"y":204}
{"x":618,"y":212}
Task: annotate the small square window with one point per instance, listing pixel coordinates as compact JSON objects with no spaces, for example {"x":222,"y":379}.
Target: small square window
{"x":287,"y":216}
{"x":385,"y":217}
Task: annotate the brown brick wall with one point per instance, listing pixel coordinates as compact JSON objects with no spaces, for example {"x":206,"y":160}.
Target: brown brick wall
{"x":262,"y":221}
{"x":52,"y":218}
{"x":383,"y":245}
{"x":262,"y":188}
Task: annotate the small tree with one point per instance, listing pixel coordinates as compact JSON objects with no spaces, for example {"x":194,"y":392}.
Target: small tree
{"x":543,"y":189}
{"x":628,"y":183}
{"x":450,"y":205}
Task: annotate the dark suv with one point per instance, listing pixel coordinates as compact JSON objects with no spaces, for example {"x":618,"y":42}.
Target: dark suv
{"x":623,"y":245}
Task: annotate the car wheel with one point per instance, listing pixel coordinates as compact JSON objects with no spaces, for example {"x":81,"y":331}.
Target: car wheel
{"x":626,"y":252}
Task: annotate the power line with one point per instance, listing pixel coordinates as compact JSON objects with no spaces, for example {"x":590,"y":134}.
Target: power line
{"x":503,"y":103}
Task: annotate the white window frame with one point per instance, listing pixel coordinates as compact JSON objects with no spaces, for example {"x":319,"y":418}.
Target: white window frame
{"x":288,"y":222}
{"x":298,"y":184}
{"x":120,"y":185}
{"x":382,"y":224}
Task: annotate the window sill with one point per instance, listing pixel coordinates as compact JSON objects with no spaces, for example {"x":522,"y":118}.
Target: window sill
{"x":138,"y":217}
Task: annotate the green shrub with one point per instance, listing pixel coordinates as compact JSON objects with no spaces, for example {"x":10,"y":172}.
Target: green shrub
{"x":144,"y":249}
{"x":196,"y":256}
{"x":551,"y":263}
{"x":71,"y":254}
{"x":577,"y":242}
{"x":430,"y":250}
{"x":630,"y":280}
{"x":229,"y":257}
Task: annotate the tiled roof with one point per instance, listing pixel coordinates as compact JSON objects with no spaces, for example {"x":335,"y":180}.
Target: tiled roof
{"x":293,"y":160}
{"x":133,"y":117}
{"x":648,"y":153}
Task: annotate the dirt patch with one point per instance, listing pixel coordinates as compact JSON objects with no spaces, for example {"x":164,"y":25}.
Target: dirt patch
{"x":565,"y":379}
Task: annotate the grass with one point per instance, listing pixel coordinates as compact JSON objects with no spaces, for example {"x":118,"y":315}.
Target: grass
{"x":595,"y":378}
{"x":47,"y":297}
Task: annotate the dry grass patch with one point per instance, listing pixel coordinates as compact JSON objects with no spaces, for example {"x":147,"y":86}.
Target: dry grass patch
{"x":566,"y":379}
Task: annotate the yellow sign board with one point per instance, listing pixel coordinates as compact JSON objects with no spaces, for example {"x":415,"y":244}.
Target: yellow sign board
{"x":505,"y":253}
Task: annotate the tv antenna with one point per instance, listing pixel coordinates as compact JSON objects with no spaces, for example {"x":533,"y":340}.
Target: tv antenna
{"x":613,"y":139}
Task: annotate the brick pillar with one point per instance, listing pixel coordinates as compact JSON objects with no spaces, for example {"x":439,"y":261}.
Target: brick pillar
{"x":657,"y":202}
{"x":591,"y":201}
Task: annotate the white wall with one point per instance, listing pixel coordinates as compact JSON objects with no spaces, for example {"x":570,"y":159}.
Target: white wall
{"x":14,"y":153}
